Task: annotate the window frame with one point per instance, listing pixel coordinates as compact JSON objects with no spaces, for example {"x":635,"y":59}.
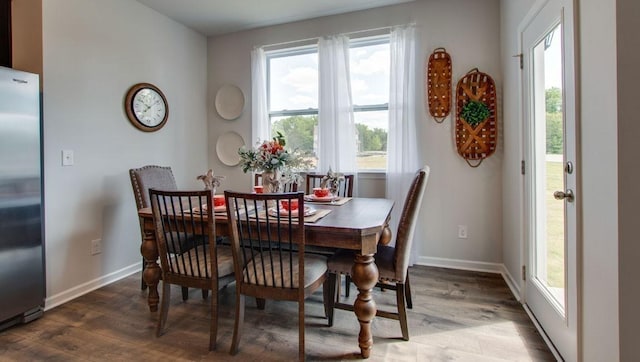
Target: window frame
{"x":282,"y":53}
{"x":313,"y":48}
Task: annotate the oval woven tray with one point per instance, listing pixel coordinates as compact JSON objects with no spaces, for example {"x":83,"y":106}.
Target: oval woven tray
{"x":438,"y":84}
{"x":475,"y":143}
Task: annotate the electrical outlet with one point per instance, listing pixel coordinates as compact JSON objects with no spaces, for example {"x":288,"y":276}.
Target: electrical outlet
{"x":96,"y":246}
{"x":462,"y":231}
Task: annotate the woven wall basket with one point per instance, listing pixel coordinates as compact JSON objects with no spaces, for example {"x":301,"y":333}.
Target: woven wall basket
{"x":438,"y":84}
{"x":476,"y":142}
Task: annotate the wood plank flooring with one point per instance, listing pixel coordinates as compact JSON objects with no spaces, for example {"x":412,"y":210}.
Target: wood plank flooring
{"x":457,"y":315}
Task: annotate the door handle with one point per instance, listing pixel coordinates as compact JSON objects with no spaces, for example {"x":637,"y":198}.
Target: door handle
{"x":559,"y":195}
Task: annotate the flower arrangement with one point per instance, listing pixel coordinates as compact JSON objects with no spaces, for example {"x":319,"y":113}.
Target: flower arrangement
{"x":271,"y":156}
{"x":277,"y":164}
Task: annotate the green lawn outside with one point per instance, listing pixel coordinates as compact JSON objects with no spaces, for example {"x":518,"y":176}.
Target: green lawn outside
{"x":555,"y":226}
{"x":375,"y":162}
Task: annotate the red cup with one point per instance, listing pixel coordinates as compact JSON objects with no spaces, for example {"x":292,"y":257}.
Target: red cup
{"x":320,"y":192}
{"x":218,"y":200}
{"x":289,"y":205}
{"x":258,"y":189}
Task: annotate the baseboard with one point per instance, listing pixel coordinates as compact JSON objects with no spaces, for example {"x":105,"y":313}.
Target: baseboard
{"x":512,"y":283}
{"x":479,"y":266}
{"x":67,"y":295}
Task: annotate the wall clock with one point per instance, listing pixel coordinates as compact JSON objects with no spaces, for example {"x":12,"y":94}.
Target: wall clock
{"x":146,"y":107}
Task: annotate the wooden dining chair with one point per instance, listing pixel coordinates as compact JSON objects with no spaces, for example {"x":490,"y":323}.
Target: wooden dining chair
{"x":288,"y":187}
{"x":143,"y":179}
{"x":192,"y":261}
{"x":268,"y":246}
{"x":392,"y":262}
{"x":345,"y":189}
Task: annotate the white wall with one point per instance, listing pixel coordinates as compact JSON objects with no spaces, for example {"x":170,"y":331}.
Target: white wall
{"x":93,"y":52}
{"x":512,"y":13}
{"x":598,"y":247}
{"x":457,"y":194}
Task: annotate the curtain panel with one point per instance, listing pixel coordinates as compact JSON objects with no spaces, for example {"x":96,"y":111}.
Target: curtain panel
{"x":402,"y":150}
{"x":260,"y":125}
{"x":336,"y":125}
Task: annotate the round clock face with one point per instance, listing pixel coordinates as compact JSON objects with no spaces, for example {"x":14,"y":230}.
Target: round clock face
{"x":146,"y":107}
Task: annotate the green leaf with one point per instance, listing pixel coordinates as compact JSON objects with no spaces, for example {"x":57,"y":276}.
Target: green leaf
{"x":475,"y":112}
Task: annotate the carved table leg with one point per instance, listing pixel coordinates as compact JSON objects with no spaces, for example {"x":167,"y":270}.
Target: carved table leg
{"x":151,"y":274}
{"x":365,"y":275}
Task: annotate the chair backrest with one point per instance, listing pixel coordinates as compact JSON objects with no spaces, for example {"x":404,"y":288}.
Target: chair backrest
{"x":345,"y":188}
{"x":182,"y":232}
{"x":288,"y":187}
{"x":407,"y":224}
{"x":267,"y":244}
{"x":147,"y":177}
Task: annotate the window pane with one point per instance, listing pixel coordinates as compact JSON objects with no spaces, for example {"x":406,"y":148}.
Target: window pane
{"x":372,"y":128}
{"x":293,"y":82}
{"x":369,"y":68}
{"x":299,"y":132}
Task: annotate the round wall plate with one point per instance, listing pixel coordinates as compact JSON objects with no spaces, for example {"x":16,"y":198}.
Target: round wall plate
{"x":227,"y":148}
{"x":229,"y":102}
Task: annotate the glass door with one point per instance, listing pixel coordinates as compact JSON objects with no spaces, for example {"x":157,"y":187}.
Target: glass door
{"x":550,"y":181}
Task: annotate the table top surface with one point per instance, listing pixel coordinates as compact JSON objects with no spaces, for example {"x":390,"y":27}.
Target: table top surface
{"x":357,"y":214}
{"x":353,"y":225}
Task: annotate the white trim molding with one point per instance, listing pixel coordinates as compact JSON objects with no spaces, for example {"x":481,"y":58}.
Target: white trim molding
{"x":77,"y":291}
{"x":479,"y":266}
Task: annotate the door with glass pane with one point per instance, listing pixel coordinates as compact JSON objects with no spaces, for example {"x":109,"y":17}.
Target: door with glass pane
{"x":550,"y":177}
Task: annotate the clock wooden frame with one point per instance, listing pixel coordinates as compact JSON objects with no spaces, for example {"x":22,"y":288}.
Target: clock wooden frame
{"x":128,"y":107}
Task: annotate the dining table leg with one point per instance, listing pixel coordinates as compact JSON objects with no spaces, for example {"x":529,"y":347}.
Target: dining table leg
{"x":365,"y":276}
{"x":151,"y":273}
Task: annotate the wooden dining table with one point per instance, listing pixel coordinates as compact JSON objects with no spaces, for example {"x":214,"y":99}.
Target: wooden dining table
{"x":359,"y":225}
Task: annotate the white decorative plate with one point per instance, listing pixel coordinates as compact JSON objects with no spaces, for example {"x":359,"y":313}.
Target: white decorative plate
{"x":313,"y":197}
{"x":229,"y":102}
{"x":308,"y":211}
{"x":227,"y":148}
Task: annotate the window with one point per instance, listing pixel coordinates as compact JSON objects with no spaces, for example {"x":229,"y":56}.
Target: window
{"x":292,"y":92}
{"x":369,"y":71}
{"x":292,"y":88}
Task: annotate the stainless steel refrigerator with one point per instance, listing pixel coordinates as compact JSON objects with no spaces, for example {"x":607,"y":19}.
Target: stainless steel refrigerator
{"x":22,"y":280}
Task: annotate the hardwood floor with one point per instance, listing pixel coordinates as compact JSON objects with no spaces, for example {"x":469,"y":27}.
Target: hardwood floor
{"x":456,"y":315}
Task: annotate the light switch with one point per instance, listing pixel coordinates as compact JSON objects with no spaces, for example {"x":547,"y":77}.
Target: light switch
{"x":67,"y":157}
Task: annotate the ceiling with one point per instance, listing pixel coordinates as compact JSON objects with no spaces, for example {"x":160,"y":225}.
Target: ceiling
{"x":215,"y":17}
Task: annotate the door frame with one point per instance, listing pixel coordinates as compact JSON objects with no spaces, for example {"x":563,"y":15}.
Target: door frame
{"x":533,"y":12}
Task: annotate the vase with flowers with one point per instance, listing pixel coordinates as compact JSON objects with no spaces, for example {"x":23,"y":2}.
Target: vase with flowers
{"x":277,"y":164}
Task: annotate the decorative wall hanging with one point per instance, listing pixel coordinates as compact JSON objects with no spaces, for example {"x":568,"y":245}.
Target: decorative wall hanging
{"x":476,"y":132}
{"x":229,"y":102}
{"x":438,"y":84}
{"x":227,"y":148}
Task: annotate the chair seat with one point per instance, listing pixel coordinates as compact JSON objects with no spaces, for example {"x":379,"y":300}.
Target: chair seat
{"x":342,"y":262}
{"x":314,"y":267}
{"x":196,"y":258}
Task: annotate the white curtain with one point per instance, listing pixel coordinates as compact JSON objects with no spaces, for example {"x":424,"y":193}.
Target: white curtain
{"x":402,"y":150}
{"x":260,"y":127}
{"x":336,"y":125}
